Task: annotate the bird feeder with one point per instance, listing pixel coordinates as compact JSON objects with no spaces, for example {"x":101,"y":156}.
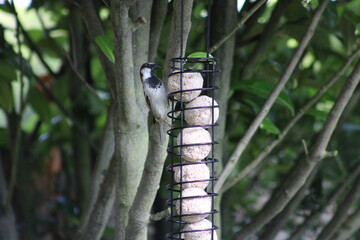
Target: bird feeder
{"x":194,"y":114}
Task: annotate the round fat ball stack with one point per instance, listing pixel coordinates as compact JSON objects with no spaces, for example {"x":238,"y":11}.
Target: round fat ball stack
{"x":197,"y":203}
{"x":201,"y":235}
{"x":195,"y":135}
{"x":201,"y":116}
{"x":195,"y":172}
{"x":190,"y":80}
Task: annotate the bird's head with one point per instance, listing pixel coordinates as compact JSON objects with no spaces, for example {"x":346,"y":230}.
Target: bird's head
{"x":147,"y":70}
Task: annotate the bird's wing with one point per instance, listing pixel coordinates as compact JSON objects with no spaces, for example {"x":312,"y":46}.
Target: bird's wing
{"x":147,"y":99}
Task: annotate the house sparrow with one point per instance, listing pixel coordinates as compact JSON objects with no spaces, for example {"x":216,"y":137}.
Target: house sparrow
{"x":155,"y":95}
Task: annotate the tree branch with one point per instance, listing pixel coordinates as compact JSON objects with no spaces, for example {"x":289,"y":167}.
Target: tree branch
{"x":245,"y":17}
{"x":244,"y":141}
{"x":329,"y":204}
{"x":223,"y":19}
{"x":139,"y":214}
{"x":300,"y":113}
{"x":158,"y":14}
{"x":304,"y":168}
{"x":105,"y":200}
{"x":173,"y":48}
{"x":7,"y":218}
{"x":130,"y":138}
{"x":260,"y":49}
{"x":279,"y":221}
{"x":95,"y":29}
{"x":342,"y":211}
{"x":140,"y":45}
{"x":349,"y":227}
{"x":16,"y":132}
{"x":103,"y":159}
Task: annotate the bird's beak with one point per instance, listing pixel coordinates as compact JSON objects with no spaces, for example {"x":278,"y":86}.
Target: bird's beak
{"x":156,"y":66}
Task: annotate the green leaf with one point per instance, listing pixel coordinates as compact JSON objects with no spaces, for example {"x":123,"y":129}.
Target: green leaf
{"x":6,"y":97}
{"x":7,"y":71}
{"x":268,"y":126}
{"x":200,"y":55}
{"x":106,"y":44}
{"x":263,"y":89}
{"x":317,"y":113}
{"x":40,"y":104}
{"x":4,"y":139}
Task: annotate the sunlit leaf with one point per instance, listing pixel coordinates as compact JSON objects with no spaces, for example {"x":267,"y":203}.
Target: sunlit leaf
{"x":106,"y":45}
{"x":200,"y":55}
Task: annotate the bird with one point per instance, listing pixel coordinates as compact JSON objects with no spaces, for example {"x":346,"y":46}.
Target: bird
{"x":156,"y":96}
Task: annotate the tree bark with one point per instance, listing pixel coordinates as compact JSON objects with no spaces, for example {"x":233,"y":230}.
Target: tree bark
{"x":349,"y":227}
{"x":81,"y":148}
{"x":329,"y":204}
{"x":224,"y":18}
{"x":342,"y":211}
{"x":304,"y":168}
{"x":7,"y":218}
{"x":139,"y":214}
{"x":158,"y":14}
{"x":130,"y":129}
{"x":102,"y":164}
{"x":244,"y":141}
{"x":280,"y":220}
{"x":260,"y":49}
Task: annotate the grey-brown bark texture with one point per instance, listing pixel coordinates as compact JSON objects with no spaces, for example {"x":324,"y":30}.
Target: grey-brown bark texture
{"x":131,"y":25}
{"x":304,"y":168}
{"x":224,"y":18}
{"x":7,"y":218}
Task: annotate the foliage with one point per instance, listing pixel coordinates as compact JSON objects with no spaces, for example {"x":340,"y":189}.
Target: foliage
{"x":42,"y":95}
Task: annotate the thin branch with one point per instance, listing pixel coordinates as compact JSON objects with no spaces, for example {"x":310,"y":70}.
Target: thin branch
{"x":95,"y":29}
{"x":29,"y":41}
{"x":66,"y":113}
{"x":260,"y":49}
{"x":279,"y":221}
{"x":244,"y":141}
{"x":103,"y":159}
{"x":303,"y":168}
{"x":15,"y":145}
{"x":104,"y":203}
{"x":349,"y":227}
{"x":342,"y":211}
{"x":47,"y":91}
{"x":238,"y":25}
{"x":300,"y":113}
{"x":329,"y":204}
{"x":82,"y":80}
{"x":62,"y":52}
